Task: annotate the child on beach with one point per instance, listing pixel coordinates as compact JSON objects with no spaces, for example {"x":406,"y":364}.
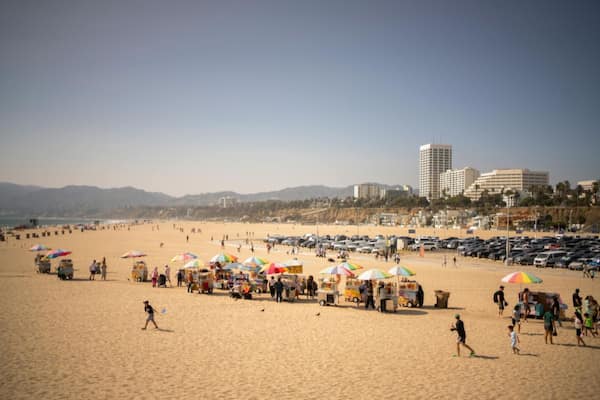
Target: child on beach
{"x":516,"y":317}
{"x":461,"y":338}
{"x":514,"y":339}
{"x":150,"y":311}
{"x":588,"y":323}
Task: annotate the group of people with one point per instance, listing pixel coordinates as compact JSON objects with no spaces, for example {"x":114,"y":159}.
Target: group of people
{"x":98,"y":268}
{"x":159,"y":279}
{"x":585,"y":317}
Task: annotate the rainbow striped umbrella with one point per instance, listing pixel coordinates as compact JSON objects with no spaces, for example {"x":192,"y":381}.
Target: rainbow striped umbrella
{"x":254,"y":262}
{"x":399,"y":270}
{"x":133,"y":254}
{"x":58,"y":253}
{"x":39,"y":247}
{"x":195,"y":263}
{"x":187,"y":256}
{"x":372,"y":274}
{"x":336,"y":270}
{"x":351,"y":266}
{"x":224,"y":258}
{"x":521,"y":277}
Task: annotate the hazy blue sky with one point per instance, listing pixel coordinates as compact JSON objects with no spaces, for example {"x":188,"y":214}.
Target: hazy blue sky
{"x":189,"y":97}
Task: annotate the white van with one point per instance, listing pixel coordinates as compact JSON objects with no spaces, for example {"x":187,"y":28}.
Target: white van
{"x":548,"y":258}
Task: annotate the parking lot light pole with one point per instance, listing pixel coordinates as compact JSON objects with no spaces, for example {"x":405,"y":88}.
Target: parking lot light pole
{"x":507,"y":231}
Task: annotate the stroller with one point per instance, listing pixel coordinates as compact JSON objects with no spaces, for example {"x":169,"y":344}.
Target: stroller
{"x":162,"y":280}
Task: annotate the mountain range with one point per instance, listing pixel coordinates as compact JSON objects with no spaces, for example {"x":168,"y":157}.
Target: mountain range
{"x":90,"y":201}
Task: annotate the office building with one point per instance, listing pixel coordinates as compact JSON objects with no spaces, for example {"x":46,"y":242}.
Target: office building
{"x":367,"y":191}
{"x":433,"y":160}
{"x":455,"y":181}
{"x":500,"y":180}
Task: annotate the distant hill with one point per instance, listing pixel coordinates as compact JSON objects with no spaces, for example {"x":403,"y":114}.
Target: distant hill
{"x":89,"y":201}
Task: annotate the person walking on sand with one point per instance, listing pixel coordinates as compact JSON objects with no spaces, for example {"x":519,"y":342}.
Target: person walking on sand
{"x":514,"y":340}
{"x":454,"y":260}
{"x":150,"y":311}
{"x":92,"y":270}
{"x":370,"y":299}
{"x":549,"y":326}
{"x":272,"y":287}
{"x":154,"y":276}
{"x":556,"y":310}
{"x":516,"y":317}
{"x":461,"y":339}
{"x":525,"y":304}
{"x":578,"y":322}
{"x":168,"y":275}
{"x":103,"y":268}
{"x":445,"y":261}
{"x":576,"y":299}
{"x":179,"y":278}
{"x":190,"y":281}
{"x":500,"y":301}
{"x":279,"y":290}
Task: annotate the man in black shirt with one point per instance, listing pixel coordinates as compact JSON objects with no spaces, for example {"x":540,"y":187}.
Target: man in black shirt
{"x":499,"y":300}
{"x":461,"y":339}
{"x":576,"y":299}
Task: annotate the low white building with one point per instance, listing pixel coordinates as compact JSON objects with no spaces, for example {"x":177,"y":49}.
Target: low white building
{"x":455,"y":181}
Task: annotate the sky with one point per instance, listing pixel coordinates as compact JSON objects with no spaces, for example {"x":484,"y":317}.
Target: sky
{"x":202,"y":96}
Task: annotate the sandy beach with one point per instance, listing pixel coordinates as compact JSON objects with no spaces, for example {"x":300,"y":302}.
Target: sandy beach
{"x":82,"y":339}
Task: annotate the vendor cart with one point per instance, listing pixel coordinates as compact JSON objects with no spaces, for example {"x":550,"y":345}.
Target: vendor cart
{"x":352,"y":291}
{"x":328,"y":294}
{"x":205,"y":282}
{"x":65,"y":269}
{"x":139,"y":272}
{"x":408,"y":294}
{"x":223,"y":279}
{"x":43,"y":266}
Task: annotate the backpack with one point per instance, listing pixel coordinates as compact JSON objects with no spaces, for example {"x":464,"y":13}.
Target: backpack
{"x":495,"y":297}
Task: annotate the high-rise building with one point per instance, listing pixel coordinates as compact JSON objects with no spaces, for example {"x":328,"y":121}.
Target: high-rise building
{"x":500,"y":180}
{"x":433,"y":160}
{"x":367,"y":191}
{"x":455,"y":181}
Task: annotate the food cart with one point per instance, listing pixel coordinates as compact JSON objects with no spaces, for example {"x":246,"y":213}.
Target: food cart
{"x":65,"y":269}
{"x":205,"y":281}
{"x":327,"y":294}
{"x":139,"y":272}
{"x":408,"y":293}
{"x":352,"y":290}
{"x":540,"y":302}
{"x":43,"y":265}
{"x":223,"y":279}
{"x":259,"y":284}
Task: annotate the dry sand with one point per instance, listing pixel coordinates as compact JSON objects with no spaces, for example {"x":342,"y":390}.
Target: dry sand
{"x":82,"y":339}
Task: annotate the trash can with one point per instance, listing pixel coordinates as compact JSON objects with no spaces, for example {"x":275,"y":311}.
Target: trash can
{"x":441,"y":299}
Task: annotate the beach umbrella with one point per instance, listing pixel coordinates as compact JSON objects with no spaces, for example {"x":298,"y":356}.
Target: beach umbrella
{"x":232,"y":266}
{"x":373,"y":274}
{"x":224,"y":258}
{"x":351,"y":266}
{"x":133,"y":254}
{"x":254,"y":262}
{"x":249,"y":268}
{"x":187,"y":256}
{"x":39,"y":247}
{"x":274,"y":268}
{"x":195,"y":263}
{"x":399,"y":270}
{"x":521,"y":277}
{"x":336,"y":270}
{"x":58,"y":253}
